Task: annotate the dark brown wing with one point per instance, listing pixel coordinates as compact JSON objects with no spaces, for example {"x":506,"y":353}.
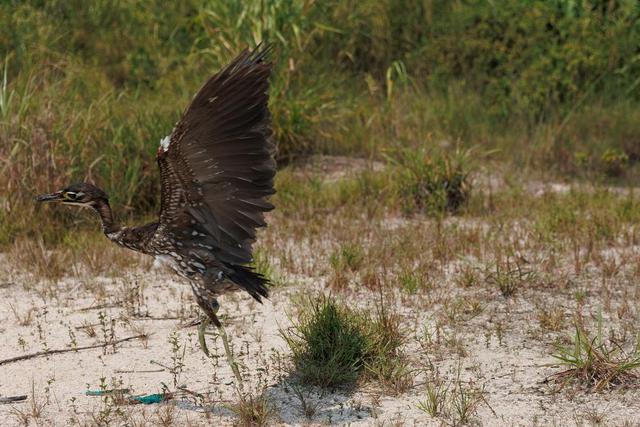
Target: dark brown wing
{"x":218,"y":169}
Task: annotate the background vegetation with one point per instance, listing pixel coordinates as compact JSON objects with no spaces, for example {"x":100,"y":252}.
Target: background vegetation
{"x":89,"y":88}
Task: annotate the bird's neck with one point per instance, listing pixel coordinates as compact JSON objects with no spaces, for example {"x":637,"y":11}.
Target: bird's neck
{"x":109,"y":226}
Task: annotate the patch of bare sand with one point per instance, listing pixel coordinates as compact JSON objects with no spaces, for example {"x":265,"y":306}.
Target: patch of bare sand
{"x":509,"y":366}
{"x":334,"y":168}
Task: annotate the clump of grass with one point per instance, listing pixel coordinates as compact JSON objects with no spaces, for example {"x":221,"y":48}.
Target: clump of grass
{"x":432,"y":182}
{"x":265,"y":267}
{"x":350,"y":256}
{"x":510,"y":275}
{"x":345,"y":260}
{"x":253,"y":410}
{"x":456,"y":402}
{"x":328,"y":343}
{"x":596,"y":364}
{"x":435,"y":403}
{"x":467,"y":277}
{"x":386,"y":363}
{"x":333,"y":345}
{"x":410,"y":281}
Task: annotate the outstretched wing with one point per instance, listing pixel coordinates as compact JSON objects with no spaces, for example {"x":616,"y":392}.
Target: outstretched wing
{"x":216,"y":167}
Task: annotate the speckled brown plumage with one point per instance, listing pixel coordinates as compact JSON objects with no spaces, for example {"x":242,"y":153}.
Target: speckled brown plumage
{"x":216,"y":172}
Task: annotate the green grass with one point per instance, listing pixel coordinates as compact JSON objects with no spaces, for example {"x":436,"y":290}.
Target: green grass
{"x":455,"y":402}
{"x":328,"y":344}
{"x":592,"y":362}
{"x":432,"y":183}
{"x":510,"y":275}
{"x":333,"y":345}
{"x":347,"y":257}
{"x":88,"y":89}
{"x":264,"y":266}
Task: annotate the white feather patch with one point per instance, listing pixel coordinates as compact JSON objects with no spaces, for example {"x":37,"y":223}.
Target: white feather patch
{"x":164,"y":143}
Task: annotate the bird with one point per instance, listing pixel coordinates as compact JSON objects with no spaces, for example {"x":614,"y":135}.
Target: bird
{"x":217,"y":172}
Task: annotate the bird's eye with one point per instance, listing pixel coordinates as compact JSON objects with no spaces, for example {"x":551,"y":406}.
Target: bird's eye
{"x":69,"y":195}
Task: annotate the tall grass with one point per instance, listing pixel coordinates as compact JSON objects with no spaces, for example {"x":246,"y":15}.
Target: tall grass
{"x":89,"y":88}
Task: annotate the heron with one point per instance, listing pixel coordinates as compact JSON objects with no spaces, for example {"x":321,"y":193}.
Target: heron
{"x":217,"y":172}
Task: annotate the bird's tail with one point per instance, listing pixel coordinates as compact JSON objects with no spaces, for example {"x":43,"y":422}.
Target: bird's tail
{"x":252,"y":282}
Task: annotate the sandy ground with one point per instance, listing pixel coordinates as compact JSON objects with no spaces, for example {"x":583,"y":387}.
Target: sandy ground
{"x":511,"y":369}
{"x":471,"y":340}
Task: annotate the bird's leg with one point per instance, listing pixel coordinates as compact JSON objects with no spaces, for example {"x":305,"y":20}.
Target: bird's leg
{"x":211,"y":310}
{"x":202,"y":327}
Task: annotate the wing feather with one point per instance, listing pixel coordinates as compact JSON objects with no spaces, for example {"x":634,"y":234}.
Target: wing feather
{"x":218,"y":169}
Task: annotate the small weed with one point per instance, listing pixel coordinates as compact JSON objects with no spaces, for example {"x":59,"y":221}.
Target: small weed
{"x":410,"y":281}
{"x":133,"y":298}
{"x":22,"y":342}
{"x":338,"y":280}
{"x":457,"y":402}
{"x":309,"y":409}
{"x":551,"y":319}
{"x":177,"y":357}
{"x":467,"y":277}
{"x":26,"y":318}
{"x":34,"y":410}
{"x":88,"y":329}
{"x":108,"y":329}
{"x":465,"y":400}
{"x":435,"y":403}
{"x":73,"y":342}
{"x":165,"y":415}
{"x":384,"y":361}
{"x":113,"y":396}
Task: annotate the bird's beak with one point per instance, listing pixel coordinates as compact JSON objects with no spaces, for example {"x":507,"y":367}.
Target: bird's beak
{"x":53,"y":197}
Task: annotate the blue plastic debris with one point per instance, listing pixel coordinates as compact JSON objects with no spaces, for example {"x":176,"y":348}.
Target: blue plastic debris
{"x":150,"y":398}
{"x":145,"y":399}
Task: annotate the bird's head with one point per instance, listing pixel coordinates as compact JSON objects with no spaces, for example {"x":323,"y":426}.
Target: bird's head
{"x":82,"y":194}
